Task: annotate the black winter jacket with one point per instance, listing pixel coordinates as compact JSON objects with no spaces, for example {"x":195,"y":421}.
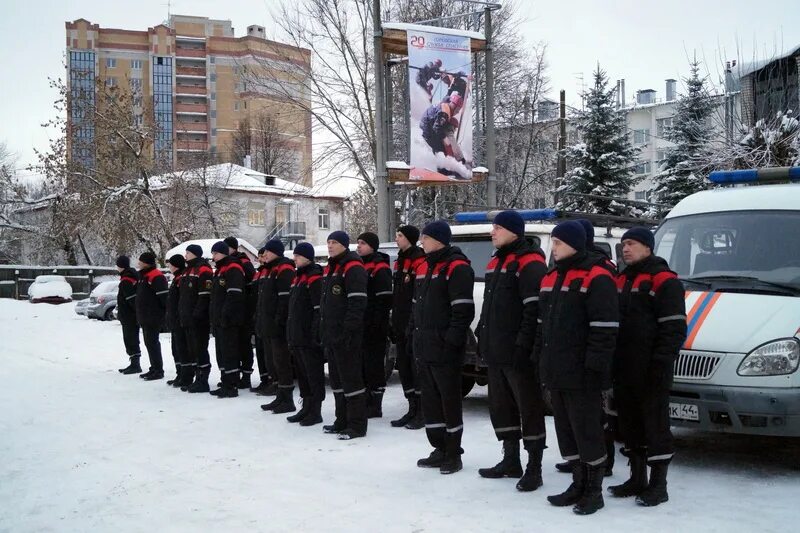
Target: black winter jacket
{"x":250,"y":290}
{"x":302,"y":326}
{"x":579,"y":320}
{"x":195,"y":294}
{"x":652,"y":324}
{"x":272,"y":310}
{"x":379,"y":295}
{"x":226,"y":308}
{"x":510,"y":303}
{"x":343,"y":301}
{"x":443,"y":307}
{"x":151,"y":298}
{"x":405,"y":273}
{"x":126,"y":296}
{"x":173,"y":300}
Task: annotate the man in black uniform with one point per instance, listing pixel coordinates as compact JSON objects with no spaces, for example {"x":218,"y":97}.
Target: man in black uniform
{"x":273,"y":312}
{"x":267,"y":385}
{"x":376,"y":320}
{"x":179,"y":344}
{"x":151,"y":305}
{"x":409,"y":258}
{"x":194,"y":303}
{"x":126,"y":312}
{"x":574,"y":346}
{"x":342,"y":305}
{"x":652,"y":330}
{"x":442,"y":312}
{"x":227,"y":317}
{"x":506,"y":333}
{"x":302,"y":335}
{"x":247,"y":329}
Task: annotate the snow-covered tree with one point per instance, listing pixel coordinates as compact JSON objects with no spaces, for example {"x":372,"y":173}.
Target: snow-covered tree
{"x":687,"y":164}
{"x":602,"y":164}
{"x":774,"y":143}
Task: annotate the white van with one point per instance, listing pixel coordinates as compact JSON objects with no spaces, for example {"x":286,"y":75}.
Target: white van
{"x":737,"y":250}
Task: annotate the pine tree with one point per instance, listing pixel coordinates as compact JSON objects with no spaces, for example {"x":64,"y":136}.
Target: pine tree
{"x":602,"y":163}
{"x":688,"y":163}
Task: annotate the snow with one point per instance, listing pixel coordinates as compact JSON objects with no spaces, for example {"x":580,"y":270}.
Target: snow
{"x":398,"y":165}
{"x":50,"y":286}
{"x":87,"y":449}
{"x":432,"y":29}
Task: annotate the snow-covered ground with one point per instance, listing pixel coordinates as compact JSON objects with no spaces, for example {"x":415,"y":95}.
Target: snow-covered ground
{"x":84,"y":448}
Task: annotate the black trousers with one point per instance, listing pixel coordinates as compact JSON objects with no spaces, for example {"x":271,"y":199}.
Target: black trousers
{"x":407,"y":367}
{"x":346,"y":372}
{"x":179,"y":345}
{"x":153,"y":345}
{"x":441,"y":405}
{"x":374,"y":356}
{"x":197,"y":340}
{"x":309,"y":367}
{"x":643,"y":417}
{"x":516,"y":406}
{"x":282,"y":358}
{"x":261,"y":360}
{"x":227,"y":341}
{"x":269,"y":358}
{"x":130,"y":336}
{"x":578,"y":418}
{"x":246,"y":349}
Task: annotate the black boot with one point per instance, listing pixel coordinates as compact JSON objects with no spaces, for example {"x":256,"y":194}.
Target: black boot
{"x":636,"y":484}
{"x":301,"y":414}
{"x":200,"y":381}
{"x":262,"y":387}
{"x":565,"y":467}
{"x":175,"y":382}
{"x":434,"y":460}
{"x":270,"y":389}
{"x":314,"y":415}
{"x":274,"y":403}
{"x":656,"y":491}
{"x":375,"y":408}
{"x":226,"y":391}
{"x":356,"y":417}
{"x":509,"y":466}
{"x":244,"y":381}
{"x":340,"y":410}
{"x":133,"y":367}
{"x":610,"y":453}
{"x":592,"y":498}
{"x":575,"y":490}
{"x":532,"y":478}
{"x":286,"y":403}
{"x":146,"y":374}
{"x":413,"y":404}
{"x":154,"y":375}
{"x":418,"y":422}
{"x":451,"y":464}
{"x":186,"y":377}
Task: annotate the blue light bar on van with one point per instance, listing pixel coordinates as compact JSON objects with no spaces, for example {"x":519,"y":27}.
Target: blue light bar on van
{"x":761,"y":175}
{"x":488,"y":216}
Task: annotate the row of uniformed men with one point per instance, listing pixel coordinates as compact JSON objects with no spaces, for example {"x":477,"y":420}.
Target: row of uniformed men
{"x":561,"y":328}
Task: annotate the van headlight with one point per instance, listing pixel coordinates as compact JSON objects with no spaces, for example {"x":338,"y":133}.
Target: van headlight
{"x":772,"y":359}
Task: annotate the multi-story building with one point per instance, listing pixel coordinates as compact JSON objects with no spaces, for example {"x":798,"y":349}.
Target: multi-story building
{"x":195,"y":72}
{"x":769,"y":87}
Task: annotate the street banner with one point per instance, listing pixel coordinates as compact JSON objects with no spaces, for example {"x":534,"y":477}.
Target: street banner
{"x":440,"y":94}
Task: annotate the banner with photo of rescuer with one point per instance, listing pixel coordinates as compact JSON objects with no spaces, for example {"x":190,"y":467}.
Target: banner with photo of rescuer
{"x":440,"y":94}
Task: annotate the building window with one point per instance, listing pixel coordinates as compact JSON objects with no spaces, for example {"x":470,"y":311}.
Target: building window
{"x":213,"y":96}
{"x":111,"y":82}
{"x":136,"y":64}
{"x":162,"y":106}
{"x":641,"y":137}
{"x":111,"y":62}
{"x":643,"y":168}
{"x":213,"y":132}
{"x":323,"y":218}
{"x":663,"y":126}
{"x":255,"y":214}
{"x":213,"y":77}
{"x":236,"y":106}
{"x":211,"y":59}
{"x":643,"y":196}
{"x":212,"y":113}
{"x":82,"y":100}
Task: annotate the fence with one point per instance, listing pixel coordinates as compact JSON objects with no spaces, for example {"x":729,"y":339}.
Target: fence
{"x":16,"y":279}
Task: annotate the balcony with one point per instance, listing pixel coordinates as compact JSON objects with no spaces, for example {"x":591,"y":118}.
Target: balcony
{"x":194,"y":53}
{"x":191,"y":127}
{"x":287,"y":231}
{"x":191,"y":146}
{"x":194,"y":72}
{"x":190,"y":89}
{"x":197,"y":109}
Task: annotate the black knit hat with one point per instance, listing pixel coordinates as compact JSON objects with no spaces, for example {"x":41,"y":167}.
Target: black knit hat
{"x":439,"y":230}
{"x":410,"y":232}
{"x":177,"y":261}
{"x":148,"y":258}
{"x":572,"y":233}
{"x":341,"y":237}
{"x":232,"y":242}
{"x":305,"y":249}
{"x":275,"y":246}
{"x":510,"y":220}
{"x":195,"y":249}
{"x":371,"y":239}
{"x":642,"y":235}
{"x":124,"y":261}
{"x":588,"y":227}
{"x":220,"y":247}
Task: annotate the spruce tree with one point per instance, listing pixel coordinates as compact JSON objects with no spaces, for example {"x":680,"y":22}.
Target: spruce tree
{"x":688,"y":163}
{"x":602,"y":164}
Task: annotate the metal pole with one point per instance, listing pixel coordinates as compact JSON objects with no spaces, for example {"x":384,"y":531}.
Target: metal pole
{"x":490,"y":140}
{"x":381,"y":182}
{"x":561,"y":168}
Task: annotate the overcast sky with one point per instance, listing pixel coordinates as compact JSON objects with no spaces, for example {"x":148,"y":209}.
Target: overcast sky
{"x":642,"y":41}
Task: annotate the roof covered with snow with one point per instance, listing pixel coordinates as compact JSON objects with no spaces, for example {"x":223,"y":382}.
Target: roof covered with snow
{"x":784,"y":197}
{"x":749,"y":68}
{"x":433,"y":29}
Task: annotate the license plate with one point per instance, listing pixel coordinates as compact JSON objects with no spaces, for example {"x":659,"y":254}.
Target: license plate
{"x":684,"y":411}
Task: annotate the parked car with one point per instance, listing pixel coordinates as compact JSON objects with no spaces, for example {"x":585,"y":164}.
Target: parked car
{"x":80,"y":307}
{"x":103,"y":300}
{"x":50,"y":290}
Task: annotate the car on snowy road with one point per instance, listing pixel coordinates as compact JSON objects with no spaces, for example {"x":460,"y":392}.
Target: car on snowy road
{"x":103,"y":300}
{"x":50,"y":290}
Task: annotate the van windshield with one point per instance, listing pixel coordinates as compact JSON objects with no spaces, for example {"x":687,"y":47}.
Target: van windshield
{"x":749,"y":249}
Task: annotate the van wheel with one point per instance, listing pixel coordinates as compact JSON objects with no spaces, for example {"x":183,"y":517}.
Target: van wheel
{"x":467,"y":382}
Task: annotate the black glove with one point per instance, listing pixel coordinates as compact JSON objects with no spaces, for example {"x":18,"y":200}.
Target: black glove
{"x":659,"y":374}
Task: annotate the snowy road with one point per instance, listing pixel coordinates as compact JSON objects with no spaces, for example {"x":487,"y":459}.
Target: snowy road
{"x":83,"y":448}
